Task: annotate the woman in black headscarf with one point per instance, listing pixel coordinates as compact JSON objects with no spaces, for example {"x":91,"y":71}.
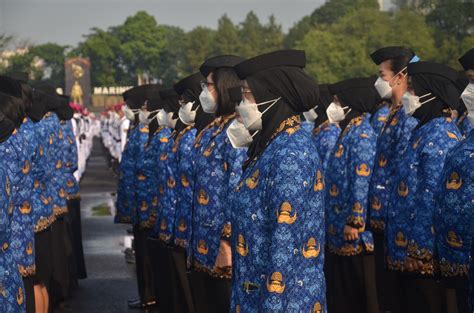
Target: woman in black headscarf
{"x":217,"y":168}
{"x":350,"y":275}
{"x":410,"y":235}
{"x":278,"y":211}
{"x":324,"y":133}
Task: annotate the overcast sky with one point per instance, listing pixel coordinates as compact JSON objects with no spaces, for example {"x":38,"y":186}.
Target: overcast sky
{"x":65,"y":21}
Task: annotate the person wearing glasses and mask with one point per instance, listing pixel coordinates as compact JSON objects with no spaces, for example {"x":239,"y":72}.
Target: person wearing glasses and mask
{"x":278,"y":209}
{"x":127,"y":194}
{"x":350,"y":276}
{"x":191,"y":114}
{"x":454,"y":211}
{"x":324,"y":133}
{"x":410,"y":228}
{"x":392,"y":140}
{"x":217,"y":169}
{"x":464,"y":123}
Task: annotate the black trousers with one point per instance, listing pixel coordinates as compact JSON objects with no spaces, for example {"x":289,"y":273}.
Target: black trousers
{"x":143,"y":265}
{"x":184,"y":292}
{"x":388,"y":291}
{"x":74,"y":206}
{"x":28,"y":283}
{"x":351,"y":284}
{"x":61,"y":254}
{"x":421,"y":295}
{"x":43,"y":258}
{"x":168,"y":289}
{"x":211,"y":295}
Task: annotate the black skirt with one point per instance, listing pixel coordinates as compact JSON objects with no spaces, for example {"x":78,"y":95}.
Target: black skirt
{"x":43,"y":258}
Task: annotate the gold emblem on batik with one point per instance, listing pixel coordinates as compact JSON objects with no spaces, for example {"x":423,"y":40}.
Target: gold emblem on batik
{"x":284,"y":214}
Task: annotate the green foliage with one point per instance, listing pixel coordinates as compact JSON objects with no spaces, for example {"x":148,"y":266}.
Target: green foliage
{"x":53,"y":56}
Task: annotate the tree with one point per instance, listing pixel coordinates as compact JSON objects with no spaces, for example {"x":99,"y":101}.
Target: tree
{"x":171,"y":56}
{"x":251,"y":33}
{"x":5,"y":40}
{"x":102,"y":49}
{"x":272,"y":36}
{"x":198,"y":46}
{"x":53,"y":57}
{"x":141,"y":42}
{"x":227,"y":38}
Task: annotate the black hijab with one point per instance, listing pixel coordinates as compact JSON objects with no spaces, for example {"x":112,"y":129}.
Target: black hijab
{"x":277,"y":75}
{"x":136,"y":97}
{"x":325,"y":99}
{"x":189,"y":89}
{"x":359,"y":94}
{"x":53,"y":100}
{"x":64,"y":111}
{"x":440,"y":81}
{"x":6,"y":125}
{"x":12,"y":108}
{"x":154,"y":103}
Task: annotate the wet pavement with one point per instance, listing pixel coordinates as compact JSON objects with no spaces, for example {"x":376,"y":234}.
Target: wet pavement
{"x":111,"y":281}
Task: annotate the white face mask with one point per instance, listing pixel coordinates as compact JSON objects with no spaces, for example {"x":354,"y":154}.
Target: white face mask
{"x":143,"y":117}
{"x":468,"y":98}
{"x":335,"y":113}
{"x":129,"y":113}
{"x":251,"y":116}
{"x":186,"y":114}
{"x":411,"y":103}
{"x":207,"y":101}
{"x":170,"y":121}
{"x":238,"y":135}
{"x":162,"y":118}
{"x":310,"y":115}
{"x":383,"y":87}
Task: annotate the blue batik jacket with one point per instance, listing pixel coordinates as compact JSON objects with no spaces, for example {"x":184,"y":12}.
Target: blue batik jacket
{"x":148,"y":178}
{"x":410,"y":230}
{"x":391,"y":143}
{"x":325,"y":137}
{"x":12,"y":294}
{"x":69,"y":160}
{"x":25,"y":200}
{"x":218,"y":167}
{"x":278,"y":228}
{"x":58,"y":182}
{"x":165,"y":167}
{"x":454,"y":208}
{"x":347,"y":180}
{"x":378,"y":119}
{"x":184,"y":189}
{"x":126,"y":184}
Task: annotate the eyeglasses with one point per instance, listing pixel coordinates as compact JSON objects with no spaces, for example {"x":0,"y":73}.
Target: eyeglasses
{"x":206,"y":84}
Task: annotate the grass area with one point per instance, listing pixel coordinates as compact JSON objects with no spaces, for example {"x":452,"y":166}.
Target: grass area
{"x":101,"y":210}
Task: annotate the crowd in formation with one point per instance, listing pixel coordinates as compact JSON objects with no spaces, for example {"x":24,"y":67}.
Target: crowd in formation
{"x":251,"y":188}
{"x":44,"y":141}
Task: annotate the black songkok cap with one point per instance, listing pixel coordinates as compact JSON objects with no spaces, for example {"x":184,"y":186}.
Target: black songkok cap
{"x":218,"y":62}
{"x":21,"y":76}
{"x":291,"y":58}
{"x":136,"y":96}
{"x":10,"y":86}
{"x":433,"y":69}
{"x":467,"y":60}
{"x":387,"y":53}
{"x":188,"y":82}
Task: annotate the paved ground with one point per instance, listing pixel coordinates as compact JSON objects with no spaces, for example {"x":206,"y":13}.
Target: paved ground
{"x":110,"y":280}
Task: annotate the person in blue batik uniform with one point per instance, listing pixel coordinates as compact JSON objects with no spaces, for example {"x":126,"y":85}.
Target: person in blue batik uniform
{"x":133,"y":197}
{"x":409,"y":220}
{"x":392,"y":139}
{"x":12,"y":295}
{"x":26,"y":199}
{"x":455,"y":206}
{"x":324,"y":133}
{"x":217,"y":168}
{"x":191,"y":114}
{"x":378,"y":119}
{"x":278,"y":208}
{"x":350,"y":269}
